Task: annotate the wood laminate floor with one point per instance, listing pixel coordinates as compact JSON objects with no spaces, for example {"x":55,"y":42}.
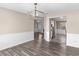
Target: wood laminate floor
{"x":34,"y":48}
{"x":72,"y":51}
{"x":40,"y":48}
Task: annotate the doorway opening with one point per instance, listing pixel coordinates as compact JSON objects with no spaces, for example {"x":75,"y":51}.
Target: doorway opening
{"x":39,"y":28}
{"x":57,"y":30}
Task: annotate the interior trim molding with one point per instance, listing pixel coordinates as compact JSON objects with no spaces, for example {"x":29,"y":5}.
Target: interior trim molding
{"x":13,"y":39}
{"x":73,"y":40}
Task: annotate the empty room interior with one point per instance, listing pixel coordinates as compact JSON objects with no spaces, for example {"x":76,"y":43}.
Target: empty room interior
{"x":39,"y":29}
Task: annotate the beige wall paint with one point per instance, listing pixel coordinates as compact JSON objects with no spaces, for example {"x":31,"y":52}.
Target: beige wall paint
{"x":12,"y":22}
{"x":72,"y":20}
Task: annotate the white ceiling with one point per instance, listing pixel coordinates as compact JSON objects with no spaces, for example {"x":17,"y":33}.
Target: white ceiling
{"x":46,"y":7}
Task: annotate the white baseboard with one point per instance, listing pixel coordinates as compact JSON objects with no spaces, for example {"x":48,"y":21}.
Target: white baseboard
{"x":73,"y":40}
{"x":13,"y":39}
